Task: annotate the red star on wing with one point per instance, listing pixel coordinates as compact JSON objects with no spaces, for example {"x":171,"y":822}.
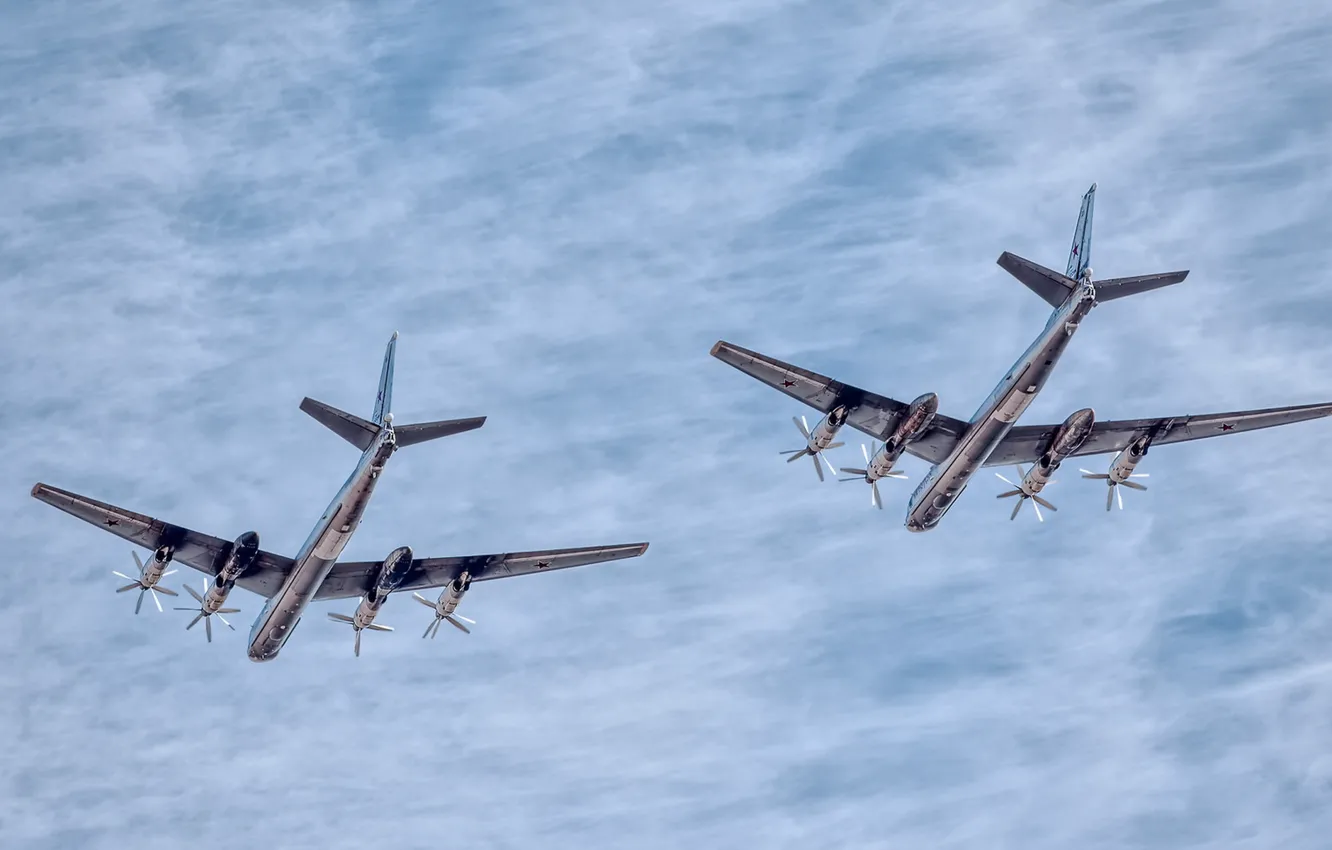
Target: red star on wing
{"x":788,"y":383}
{"x":1227,"y":427}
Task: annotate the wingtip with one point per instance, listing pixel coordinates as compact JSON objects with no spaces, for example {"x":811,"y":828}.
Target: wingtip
{"x":38,"y":489}
{"x":394,"y":337}
{"x":717,"y":346}
{"x":642,"y":548}
{"x":1093,"y":188}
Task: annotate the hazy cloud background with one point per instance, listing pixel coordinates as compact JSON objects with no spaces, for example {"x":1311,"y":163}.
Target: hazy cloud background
{"x":212,"y":210}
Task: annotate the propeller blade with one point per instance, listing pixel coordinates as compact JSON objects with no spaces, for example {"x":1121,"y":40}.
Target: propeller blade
{"x":139,"y":603}
{"x":1097,"y":476}
{"x":425,"y":634}
{"x":1038,"y":500}
{"x":456,"y":624}
{"x":466,"y":620}
{"x":224,"y":619}
{"x":419,"y":598}
{"x":128,"y":587}
{"x":197,"y":617}
{"x":208,"y":628}
{"x":847,"y":469}
{"x":1133,"y":484}
{"x":1036,"y":507}
{"x":1109,"y":495}
{"x":168,"y":591}
{"x":137,"y":562}
{"x":828,"y":462}
{"x":356,"y":646}
{"x":197,"y":597}
{"x":857,"y":478}
{"x":802,"y":425}
{"x":1119,"y":494}
{"x":795,"y":455}
{"x":834,"y":446}
{"x":864,"y":453}
{"x":1005,"y":480}
{"x":169,"y":572}
{"x":341,"y":618}
{"x":875,"y":500}
{"x":1009,"y":494}
{"x":438,"y":622}
{"x":156,"y":601}
{"x":1017,"y":506}
{"x":378,"y":627}
{"x":817,"y":468}
{"x":227,"y":611}
{"x":125,"y":577}
{"x":896,"y":474}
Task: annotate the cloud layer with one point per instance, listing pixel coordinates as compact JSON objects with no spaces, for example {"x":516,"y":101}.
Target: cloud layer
{"x":211,"y":213}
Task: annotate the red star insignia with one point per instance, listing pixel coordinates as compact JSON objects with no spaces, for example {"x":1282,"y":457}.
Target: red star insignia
{"x":113,"y":522}
{"x":541,"y":565}
{"x":1227,"y":427}
{"x":788,"y":383}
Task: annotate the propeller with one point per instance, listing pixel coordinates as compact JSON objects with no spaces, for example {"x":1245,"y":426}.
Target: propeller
{"x":862,"y":475}
{"x":143,"y":588}
{"x":433,"y":628}
{"x":372,"y":626}
{"x":1036,"y":501}
{"x":204,"y":614}
{"x":796,"y":454}
{"x":1113,"y":492}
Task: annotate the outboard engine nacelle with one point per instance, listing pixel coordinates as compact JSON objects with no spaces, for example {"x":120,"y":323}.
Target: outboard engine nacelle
{"x":393,"y":571}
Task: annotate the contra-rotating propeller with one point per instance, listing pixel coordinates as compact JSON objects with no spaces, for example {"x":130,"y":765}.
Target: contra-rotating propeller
{"x":202,"y":612}
{"x":433,"y":628}
{"x":144,"y":588}
{"x":796,"y":454}
{"x":1112,"y":491}
{"x":1036,"y":501}
{"x":863,"y":475}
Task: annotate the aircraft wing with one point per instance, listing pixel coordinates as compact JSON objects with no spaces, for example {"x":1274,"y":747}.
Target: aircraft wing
{"x":871,"y":413}
{"x":355,"y":578}
{"x":203,"y":552}
{"x":1025,"y":443}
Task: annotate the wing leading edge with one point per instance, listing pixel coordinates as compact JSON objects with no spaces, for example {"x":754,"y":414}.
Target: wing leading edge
{"x":1026,"y":442}
{"x":194,"y":549}
{"x":355,"y":578}
{"x":871,"y":413}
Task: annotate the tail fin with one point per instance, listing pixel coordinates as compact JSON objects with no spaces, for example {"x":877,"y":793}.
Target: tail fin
{"x":362,"y":434}
{"x":384,"y":400}
{"x":1055,"y":287}
{"x":1079,"y":256}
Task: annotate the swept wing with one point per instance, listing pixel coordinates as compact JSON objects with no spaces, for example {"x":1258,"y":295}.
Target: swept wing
{"x":871,"y":413}
{"x":1025,"y":443}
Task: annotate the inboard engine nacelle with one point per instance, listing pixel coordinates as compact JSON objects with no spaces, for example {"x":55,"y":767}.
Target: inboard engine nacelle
{"x":242,"y":554}
{"x":392,"y":573}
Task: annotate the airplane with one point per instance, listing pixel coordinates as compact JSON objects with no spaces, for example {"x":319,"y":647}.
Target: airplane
{"x":957,"y":450}
{"x":290,"y":584}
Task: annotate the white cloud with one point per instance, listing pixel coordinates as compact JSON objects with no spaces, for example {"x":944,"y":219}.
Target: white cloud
{"x":212,"y":214}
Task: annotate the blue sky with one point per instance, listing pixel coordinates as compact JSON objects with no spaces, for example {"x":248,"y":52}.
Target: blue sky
{"x":211,"y":211}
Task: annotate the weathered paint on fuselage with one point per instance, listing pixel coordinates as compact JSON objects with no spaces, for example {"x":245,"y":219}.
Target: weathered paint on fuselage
{"x":321,"y":550}
{"x":997,"y":414}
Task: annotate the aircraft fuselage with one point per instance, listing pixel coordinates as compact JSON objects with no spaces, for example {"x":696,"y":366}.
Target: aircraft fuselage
{"x":321,"y":550}
{"x":998,"y":413}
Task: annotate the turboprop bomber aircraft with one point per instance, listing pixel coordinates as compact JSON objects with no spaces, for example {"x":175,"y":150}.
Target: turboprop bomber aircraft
{"x":290,"y":584}
{"x":957,"y":449}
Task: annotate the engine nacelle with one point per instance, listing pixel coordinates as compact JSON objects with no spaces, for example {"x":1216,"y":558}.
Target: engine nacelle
{"x":1127,"y":460}
{"x":392,"y":572}
{"x":453,"y":594}
{"x":822,"y":435}
{"x":1039,"y":475}
{"x":1071,"y":435}
{"x":919,"y":415}
{"x":242,"y":554}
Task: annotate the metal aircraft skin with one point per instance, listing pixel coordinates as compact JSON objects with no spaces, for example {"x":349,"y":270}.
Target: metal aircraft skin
{"x":290,"y":584}
{"x":957,"y":449}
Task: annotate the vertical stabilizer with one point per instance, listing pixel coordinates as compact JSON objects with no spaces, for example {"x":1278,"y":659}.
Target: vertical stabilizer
{"x":1079,"y":257}
{"x":384,"y":401}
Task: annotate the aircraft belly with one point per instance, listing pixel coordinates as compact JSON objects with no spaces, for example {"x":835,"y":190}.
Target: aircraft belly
{"x":283,"y":611}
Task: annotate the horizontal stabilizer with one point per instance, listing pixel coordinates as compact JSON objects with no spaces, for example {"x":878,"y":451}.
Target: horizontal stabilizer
{"x":1120,"y":287}
{"x":1047,"y":283}
{"x":349,"y":427}
{"x":408,"y":435}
